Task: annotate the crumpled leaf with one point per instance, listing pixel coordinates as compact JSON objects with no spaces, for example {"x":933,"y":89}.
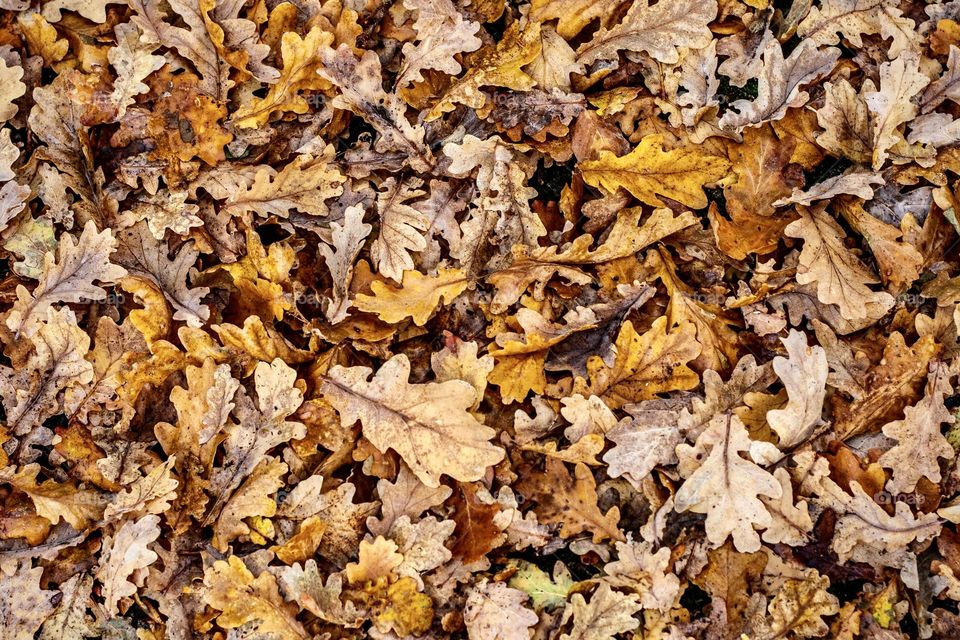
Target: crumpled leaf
{"x":68,"y":276}
{"x":241,"y":598}
{"x":780,"y":83}
{"x":441,"y":34}
{"x":24,"y":605}
{"x":919,"y":440}
{"x":804,"y":376}
{"x":127,"y":554}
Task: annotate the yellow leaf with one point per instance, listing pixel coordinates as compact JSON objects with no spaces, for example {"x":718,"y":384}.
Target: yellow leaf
{"x":500,"y":67}
{"x":416,"y":298}
{"x":648,"y":172}
{"x":378,"y":559}
{"x":645,"y":365}
{"x":398,"y":606}
{"x":301,"y":60}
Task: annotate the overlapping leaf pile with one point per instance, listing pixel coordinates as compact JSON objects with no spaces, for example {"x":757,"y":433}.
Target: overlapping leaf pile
{"x":574,"y":320}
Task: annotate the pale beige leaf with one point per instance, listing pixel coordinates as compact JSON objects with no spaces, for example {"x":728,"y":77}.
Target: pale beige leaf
{"x":13,"y":199}
{"x":641,"y":444}
{"x":840,"y":277}
{"x":59,"y":360}
{"x":23,"y":604}
{"x":133,"y":61}
{"x":586,"y":415}
{"x":798,"y":608}
{"x":494,"y":611}
{"x":658,"y":30}
{"x":124,"y":557}
{"x":9,"y":152}
{"x":147,"y":259}
{"x":405,"y":496}
{"x":855,"y":183}
{"x":892,"y":105}
{"x":458,"y":361}
{"x":165,"y":210}
{"x":920,"y":442}
{"x":71,"y":621}
{"x":401,"y":228}
{"x":552,"y":67}
{"x":780,"y":83}
{"x":150,"y":494}
{"x":68,"y":277}
{"x":427,"y":424}
{"x":607,"y":614}
{"x":638,"y":568}
{"x":804,"y":376}
{"x":790,"y":523}
{"x":442,"y":33}
{"x":347,"y":240}
{"x":10,"y":89}
{"x":725,"y":486}
{"x":304,"y":185}
{"x":305,"y":586}
{"x":845,"y":119}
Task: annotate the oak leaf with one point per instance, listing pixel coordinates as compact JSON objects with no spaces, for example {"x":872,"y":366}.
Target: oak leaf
{"x":645,"y":364}
{"x":251,"y":499}
{"x":305,"y":586}
{"x":637,"y":567}
{"x":845,"y":119}
{"x":840,"y":277}
{"x":147,"y":259}
{"x":71,"y":621}
{"x":892,"y":104}
{"x":657,"y":30}
{"x":301,"y":62}
{"x":378,"y":559}
{"x":442,"y":33}
{"x":24,"y":605}
{"x":607,"y":614}
{"x":347,"y":240}
{"x":780,"y":83}
{"x":494,"y":611}
{"x":499,"y":67}
{"x":12,"y":89}
{"x":570,"y":501}
{"x":427,"y":424}
{"x":126,"y":554}
{"x":919,"y":441}
{"x":303,"y":185}
{"x":68,"y":276}
{"x":241,"y":599}
{"x":726,"y":486}
{"x":405,"y":496}
{"x":361,"y":92}
{"x":649,"y":172}
{"x":804,"y":376}
{"x":798,"y":608}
